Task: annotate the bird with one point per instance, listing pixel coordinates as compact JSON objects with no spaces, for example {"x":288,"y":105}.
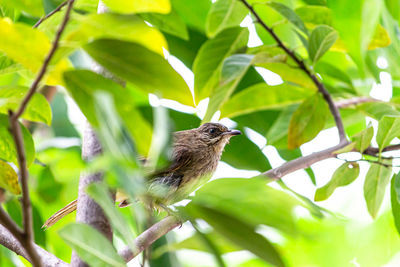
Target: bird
{"x":195,"y":156}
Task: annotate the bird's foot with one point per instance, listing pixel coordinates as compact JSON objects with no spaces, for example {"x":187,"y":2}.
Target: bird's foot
{"x":172,"y":212}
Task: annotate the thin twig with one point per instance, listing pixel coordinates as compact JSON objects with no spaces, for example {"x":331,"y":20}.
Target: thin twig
{"x":374,"y":150}
{"x":321,"y":88}
{"x":369,"y":161}
{"x":50,"y":14}
{"x":354,"y":101}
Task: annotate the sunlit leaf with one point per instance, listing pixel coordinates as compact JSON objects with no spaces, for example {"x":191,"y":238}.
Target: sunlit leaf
{"x":144,"y":68}
{"x":7,"y":147}
{"x":377,"y":110}
{"x":344,"y":175}
{"x":289,"y":14}
{"x":170,"y":23}
{"x":224,"y":14}
{"x":395,"y":200}
{"x":388,"y":129}
{"x":33,"y":7}
{"x":91,"y":246}
{"x":137,"y":6}
{"x":9,"y":178}
{"x":38,"y":108}
{"x":376,"y":180}
{"x":307,"y":121}
{"x":194,"y":13}
{"x":314,"y":15}
{"x":363,"y":139}
{"x":321,"y":39}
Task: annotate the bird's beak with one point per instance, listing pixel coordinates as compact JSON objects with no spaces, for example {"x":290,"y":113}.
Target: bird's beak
{"x":232,"y":132}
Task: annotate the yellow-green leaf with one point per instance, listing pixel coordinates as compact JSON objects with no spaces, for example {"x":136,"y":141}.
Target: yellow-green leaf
{"x":388,"y":129}
{"x":139,"y":6}
{"x":9,"y":178}
{"x":363,"y":139}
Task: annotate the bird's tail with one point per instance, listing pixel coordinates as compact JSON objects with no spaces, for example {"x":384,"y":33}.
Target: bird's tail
{"x":71,"y":207}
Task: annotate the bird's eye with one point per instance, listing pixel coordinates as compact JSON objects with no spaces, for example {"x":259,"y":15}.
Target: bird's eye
{"x":212,"y":131}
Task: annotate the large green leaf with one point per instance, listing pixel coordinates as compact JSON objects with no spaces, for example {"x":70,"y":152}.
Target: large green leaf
{"x":377,"y":110}
{"x":307,"y":121}
{"x":91,"y":246}
{"x":83,"y":84}
{"x":344,"y":175}
{"x":137,"y":6}
{"x":170,"y":23}
{"x":33,"y":7}
{"x":289,"y":14}
{"x":9,"y":178}
{"x":321,"y":39}
{"x":7,"y":147}
{"x":38,"y":108}
{"x":388,"y":129}
{"x":363,"y":139}
{"x":262,"y":97}
{"x":144,"y":68}
{"x":395,"y":200}
{"x":194,"y":13}
{"x":376,"y":180}
{"x":238,"y":232}
{"x":209,"y":59}
{"x":224,"y":14}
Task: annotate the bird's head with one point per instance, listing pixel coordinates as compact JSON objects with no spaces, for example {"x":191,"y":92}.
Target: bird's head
{"x":216,"y":134}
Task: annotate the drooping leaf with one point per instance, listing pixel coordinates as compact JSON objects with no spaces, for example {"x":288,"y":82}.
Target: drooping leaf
{"x":38,"y":108}
{"x":394,"y":199}
{"x":262,"y":97}
{"x":307,"y":121}
{"x":144,"y":68}
{"x":321,"y":39}
{"x":91,"y":246}
{"x":388,"y":129}
{"x":344,"y":175}
{"x":224,"y":14}
{"x":289,"y":14}
{"x":376,"y":180}
{"x":238,"y":232}
{"x":209,"y":59}
{"x":363,"y":139}
{"x":137,"y":6}
{"x":170,"y":23}
{"x":7,"y":147}
{"x":9,"y":178}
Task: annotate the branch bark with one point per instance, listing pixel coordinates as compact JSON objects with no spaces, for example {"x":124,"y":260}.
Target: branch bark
{"x":300,"y":62}
{"x":63,"y":4}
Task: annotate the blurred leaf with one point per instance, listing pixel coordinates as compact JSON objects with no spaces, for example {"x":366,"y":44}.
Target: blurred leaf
{"x":101,"y":194}
{"x":170,"y":23}
{"x":238,"y":232}
{"x":209,"y":60}
{"x":394,"y":197}
{"x":144,"y":68}
{"x":194,"y":13}
{"x":393,"y":8}
{"x":224,"y":14}
{"x":39,"y":234}
{"x":90,"y":245}
{"x":83,"y":84}
{"x":60,"y":123}
{"x":241,"y":145}
{"x":363,"y":139}
{"x":289,"y":14}
{"x":307,"y":121}
{"x":279,"y":129}
{"x":388,"y":129}
{"x":137,"y":6}
{"x":377,"y":110}
{"x":233,"y":69}
{"x":380,"y":38}
{"x":376,"y":180}
{"x":263,"y":96}
{"x":30,"y":54}
{"x":7,"y":147}
{"x":315,"y":15}
{"x":38,"y":108}
{"x":48,"y":188}
{"x":33,"y":7}
{"x":344,"y":175}
{"x":9,"y":178}
{"x":321,"y":39}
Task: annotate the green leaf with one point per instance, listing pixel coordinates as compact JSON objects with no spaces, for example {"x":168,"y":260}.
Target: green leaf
{"x":307,"y":121}
{"x":170,"y":23}
{"x":263,"y":96}
{"x":138,"y":6}
{"x":33,"y":7}
{"x":238,"y":232}
{"x":7,"y":147}
{"x":233,"y":69}
{"x":101,"y":194}
{"x":9,"y":178}
{"x":321,"y":39}
{"x":83,"y":84}
{"x":375,"y":184}
{"x":91,"y":246}
{"x":224,"y":14}
{"x":289,"y":14}
{"x":377,"y":110}
{"x":194,"y":13}
{"x":315,"y":15}
{"x":344,"y":175}
{"x":388,"y":129}
{"x":144,"y":68}
{"x":208,"y":63}
{"x":395,"y":200}
{"x":363,"y":139}
{"x":38,"y":108}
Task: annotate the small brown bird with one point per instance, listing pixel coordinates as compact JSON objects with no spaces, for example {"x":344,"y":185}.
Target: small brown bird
{"x":195,"y":157}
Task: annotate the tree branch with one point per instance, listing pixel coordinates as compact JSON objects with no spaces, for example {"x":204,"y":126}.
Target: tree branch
{"x":50,"y":14}
{"x":321,"y":88}
{"x":354,"y":101}
{"x":145,"y":239}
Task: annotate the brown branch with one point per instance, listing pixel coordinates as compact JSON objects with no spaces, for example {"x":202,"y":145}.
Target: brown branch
{"x":374,"y":150}
{"x":50,"y":14}
{"x":145,"y":239}
{"x":321,"y":88}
